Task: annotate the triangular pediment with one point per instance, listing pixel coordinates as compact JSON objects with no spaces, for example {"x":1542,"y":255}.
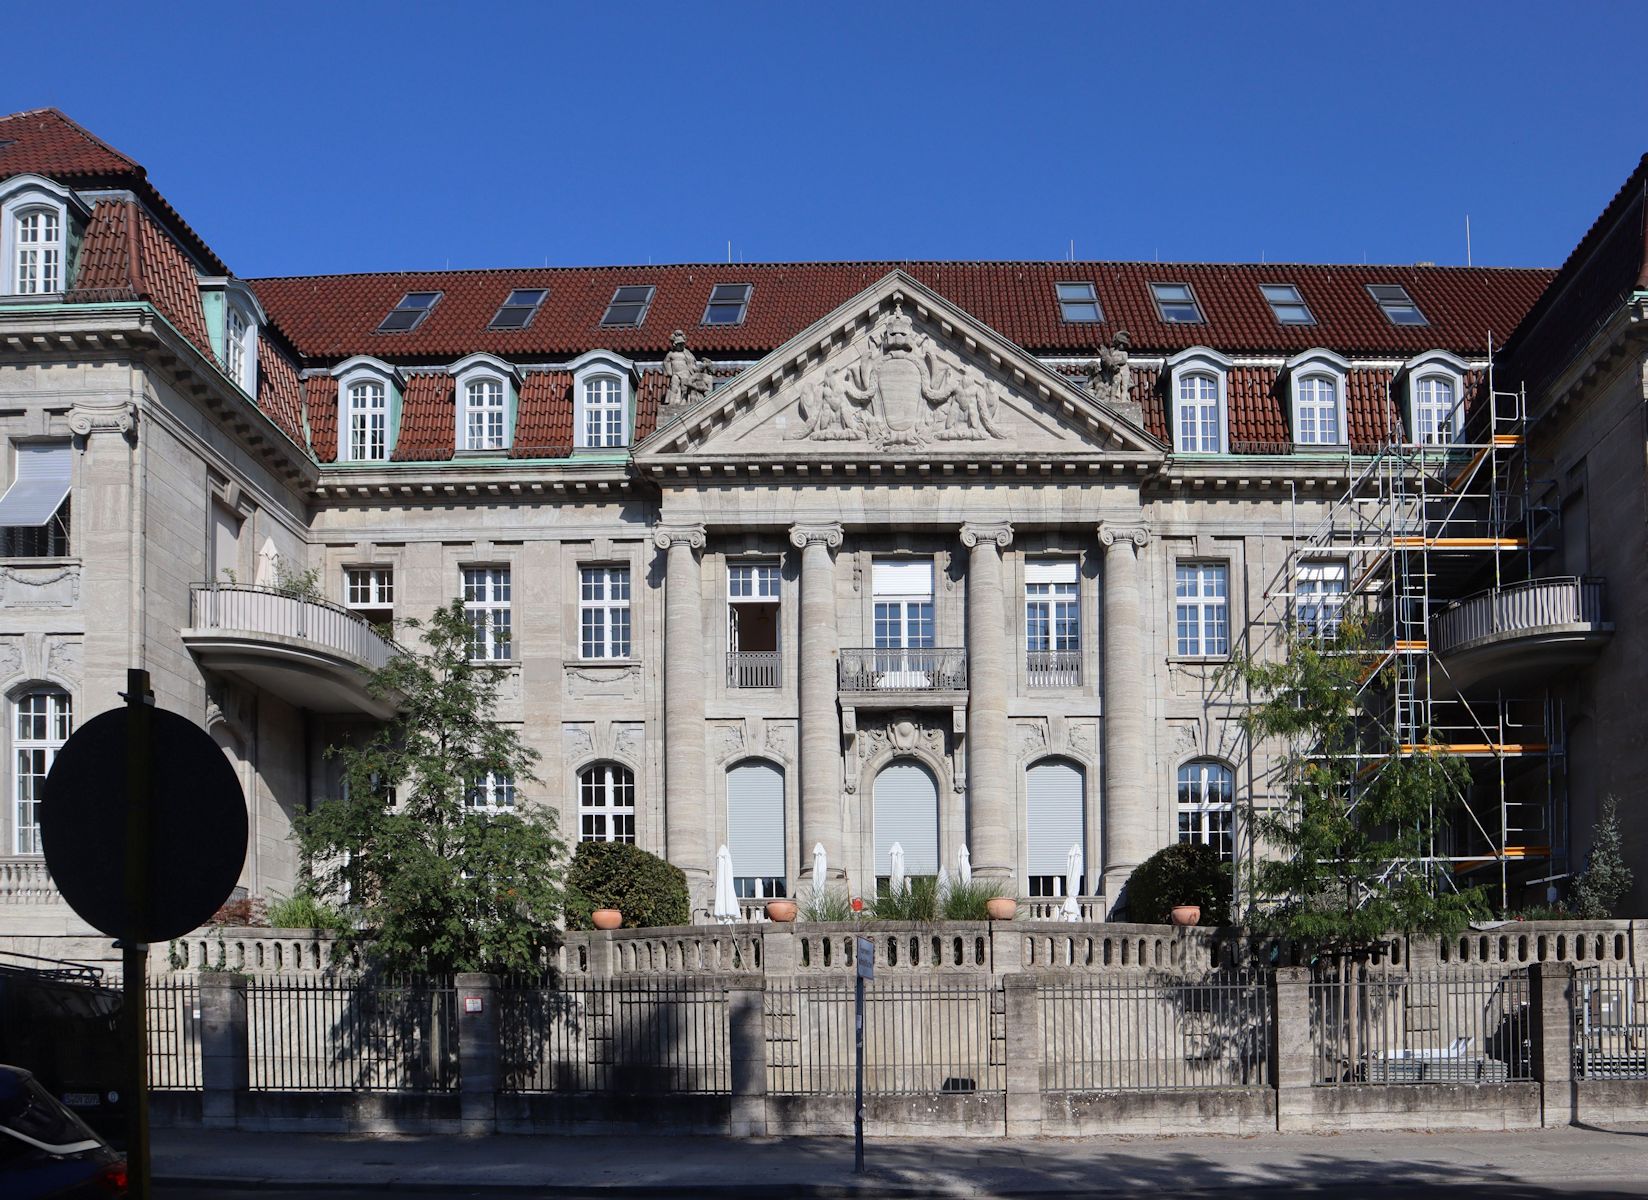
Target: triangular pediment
{"x":897,"y":372}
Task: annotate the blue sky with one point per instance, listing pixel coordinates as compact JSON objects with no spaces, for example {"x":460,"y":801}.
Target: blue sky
{"x":364,"y":136}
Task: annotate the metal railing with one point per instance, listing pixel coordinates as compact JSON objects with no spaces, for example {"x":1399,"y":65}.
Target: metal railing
{"x":1155,"y":1032}
{"x":899,"y":668}
{"x":1518,"y":607}
{"x":328,"y":1033}
{"x":1610,"y":1023}
{"x":174,"y":1033}
{"x":921,"y":1037}
{"x":632,"y":1037}
{"x":277,"y":614}
{"x":25,"y":880}
{"x":1378,"y":1025}
{"x":1054,"y":668}
{"x":754,"y":669}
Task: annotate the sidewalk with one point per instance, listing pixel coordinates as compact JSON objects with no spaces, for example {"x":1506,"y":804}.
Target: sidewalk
{"x":1561,"y":1159}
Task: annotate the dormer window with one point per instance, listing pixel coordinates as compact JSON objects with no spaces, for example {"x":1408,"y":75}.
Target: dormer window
{"x":484,"y":415}
{"x":234,"y":347}
{"x":1436,"y":398}
{"x":366,"y":421}
{"x":39,"y":252}
{"x":603,"y":411}
{"x":1197,"y":382}
{"x":1318,"y":398}
{"x":410,"y":312}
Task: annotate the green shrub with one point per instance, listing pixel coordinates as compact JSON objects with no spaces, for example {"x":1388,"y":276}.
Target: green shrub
{"x":917,"y":902}
{"x":646,"y":889}
{"x":966,"y":901}
{"x":832,"y":904}
{"x":1184,"y":873}
{"x":302,"y":910}
{"x":1607,"y":876}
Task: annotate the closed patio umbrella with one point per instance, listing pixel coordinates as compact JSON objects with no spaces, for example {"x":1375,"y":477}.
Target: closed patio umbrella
{"x":1071,"y":911}
{"x":726,"y":900}
{"x":820,"y":863}
{"x":896,"y":882}
{"x":964,"y":866}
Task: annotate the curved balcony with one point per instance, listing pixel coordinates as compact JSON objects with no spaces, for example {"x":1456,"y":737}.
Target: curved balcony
{"x":1523,"y":629}
{"x":310,"y":653}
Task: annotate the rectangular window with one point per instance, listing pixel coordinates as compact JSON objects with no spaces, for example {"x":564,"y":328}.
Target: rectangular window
{"x":1196,"y":428}
{"x":518,"y":308}
{"x":604,"y":406}
{"x":603,"y":612}
{"x":1318,"y":412}
{"x":1396,"y":304}
{"x":1202,"y":610}
{"x":1078,"y":302}
{"x":1286,"y":304}
{"x":606,"y":804}
{"x":1176,"y":303}
{"x":370,"y":591}
{"x":903,"y":597}
{"x":1206,"y":808}
{"x":50,"y":540}
{"x":368,"y":422}
{"x":486,"y":593}
{"x":484,"y":414}
{"x":1052,"y":623}
{"x":728,"y":302}
{"x":44,"y":721}
{"x":1319,"y":596}
{"x":492,"y":792}
{"x":752,"y":625}
{"x":1435,"y":412}
{"x":628,"y":308}
{"x":39,"y":253}
{"x":410,"y":312}
{"x":1049,"y":887}
{"x":234,"y":348}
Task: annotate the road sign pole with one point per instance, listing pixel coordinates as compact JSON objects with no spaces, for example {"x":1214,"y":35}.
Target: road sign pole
{"x":134,"y":954}
{"x":858,"y":1075}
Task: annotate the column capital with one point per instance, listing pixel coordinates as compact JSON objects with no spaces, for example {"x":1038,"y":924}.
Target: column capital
{"x":665,"y":536}
{"x":1111,"y":532}
{"x":87,"y":419}
{"x":828,"y":533}
{"x":975,"y":533}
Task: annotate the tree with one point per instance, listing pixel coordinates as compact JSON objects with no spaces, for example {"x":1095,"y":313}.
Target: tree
{"x":434,"y":883}
{"x":1606,"y":877}
{"x":1346,"y":850}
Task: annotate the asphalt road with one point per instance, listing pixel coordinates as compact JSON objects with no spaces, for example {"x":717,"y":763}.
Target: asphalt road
{"x":1589,"y":1190}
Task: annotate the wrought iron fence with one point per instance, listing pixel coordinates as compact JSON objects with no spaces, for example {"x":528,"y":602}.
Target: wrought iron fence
{"x":1155,"y":1032}
{"x":1533,"y":604}
{"x":1053,"y":668}
{"x":898,"y":668}
{"x":173,"y":1015}
{"x":1610,"y":1023}
{"x":332,"y":1033}
{"x":635,"y":1037}
{"x":921,"y":1037}
{"x":1375,"y":1024}
{"x":270,"y":611}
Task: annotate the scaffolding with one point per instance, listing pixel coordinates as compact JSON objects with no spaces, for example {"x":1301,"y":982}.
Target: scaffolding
{"x":1418,"y":528}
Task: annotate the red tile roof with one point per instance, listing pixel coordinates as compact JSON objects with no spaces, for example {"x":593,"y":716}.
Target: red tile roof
{"x":320,"y":397}
{"x":280,"y":391}
{"x":428,"y":420}
{"x":329,"y":318}
{"x":126,"y":255}
{"x":543,"y":416}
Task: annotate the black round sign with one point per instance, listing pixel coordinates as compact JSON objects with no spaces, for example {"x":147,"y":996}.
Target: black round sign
{"x":197,"y":827}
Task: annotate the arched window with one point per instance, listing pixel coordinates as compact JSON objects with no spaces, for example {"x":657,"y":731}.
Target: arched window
{"x":1206,"y":804}
{"x":484,"y":423}
{"x":755,"y":828}
{"x":906,"y":814}
{"x":606,"y":803}
{"x":1318,"y":412}
{"x":367,"y":422}
{"x":603,"y":411}
{"x":1435,"y":411}
{"x":1196,"y":427}
{"x":44,"y":720}
{"x":39,"y":255}
{"x":1054,"y":820}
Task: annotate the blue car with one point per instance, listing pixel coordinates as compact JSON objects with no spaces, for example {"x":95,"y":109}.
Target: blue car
{"x":45,"y":1150}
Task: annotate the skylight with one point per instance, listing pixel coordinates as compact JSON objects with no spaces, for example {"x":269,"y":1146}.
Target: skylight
{"x":410,"y":312}
{"x":1177,"y":303}
{"x":1397,"y":305}
{"x":1288,"y":305}
{"x":629,"y":306}
{"x":727,"y":304}
{"x":518,"y":308}
{"x":1078,"y":302}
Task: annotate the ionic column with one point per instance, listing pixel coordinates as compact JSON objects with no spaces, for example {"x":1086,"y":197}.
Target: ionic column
{"x":686,"y":813}
{"x":989,"y":771}
{"x":1129,"y":830}
{"x":820,"y":724}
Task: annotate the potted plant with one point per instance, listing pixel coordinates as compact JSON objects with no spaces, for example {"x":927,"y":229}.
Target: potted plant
{"x":617,"y":883}
{"x":1001,"y":908}
{"x":1186,"y":914}
{"x":1177,"y":881}
{"x":781,"y":910}
{"x":606,"y":918}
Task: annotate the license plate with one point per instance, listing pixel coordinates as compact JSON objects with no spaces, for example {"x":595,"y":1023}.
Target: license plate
{"x":80,"y":1099}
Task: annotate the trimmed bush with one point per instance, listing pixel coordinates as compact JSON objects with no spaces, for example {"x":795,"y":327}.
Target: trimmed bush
{"x":1183,"y":873}
{"x":646,"y":889}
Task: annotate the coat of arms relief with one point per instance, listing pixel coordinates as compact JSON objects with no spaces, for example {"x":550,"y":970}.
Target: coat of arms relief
{"x":901,"y":391}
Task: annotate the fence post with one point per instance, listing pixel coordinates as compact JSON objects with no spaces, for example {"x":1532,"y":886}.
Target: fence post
{"x":1006,"y":945}
{"x":1551,"y":1040}
{"x":1022,"y":1012}
{"x":224,"y":1048}
{"x":601,"y":953}
{"x":747,"y":1046}
{"x":1292,"y":1051}
{"x":478,"y":1074}
{"x":780,"y":956}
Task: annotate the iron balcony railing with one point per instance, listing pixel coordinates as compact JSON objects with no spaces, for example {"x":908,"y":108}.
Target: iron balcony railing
{"x":274,"y":613}
{"x":905,"y":669}
{"x":1519,"y":607}
{"x":753,"y":669}
{"x":1054,"y":668}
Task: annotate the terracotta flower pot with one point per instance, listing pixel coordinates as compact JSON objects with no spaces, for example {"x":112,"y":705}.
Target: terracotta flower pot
{"x":1186,"y":914}
{"x":1001,"y":908}
{"x":607,"y":918}
{"x":781,"y":910}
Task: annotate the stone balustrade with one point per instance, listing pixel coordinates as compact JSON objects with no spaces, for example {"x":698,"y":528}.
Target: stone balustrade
{"x":26,"y":881}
